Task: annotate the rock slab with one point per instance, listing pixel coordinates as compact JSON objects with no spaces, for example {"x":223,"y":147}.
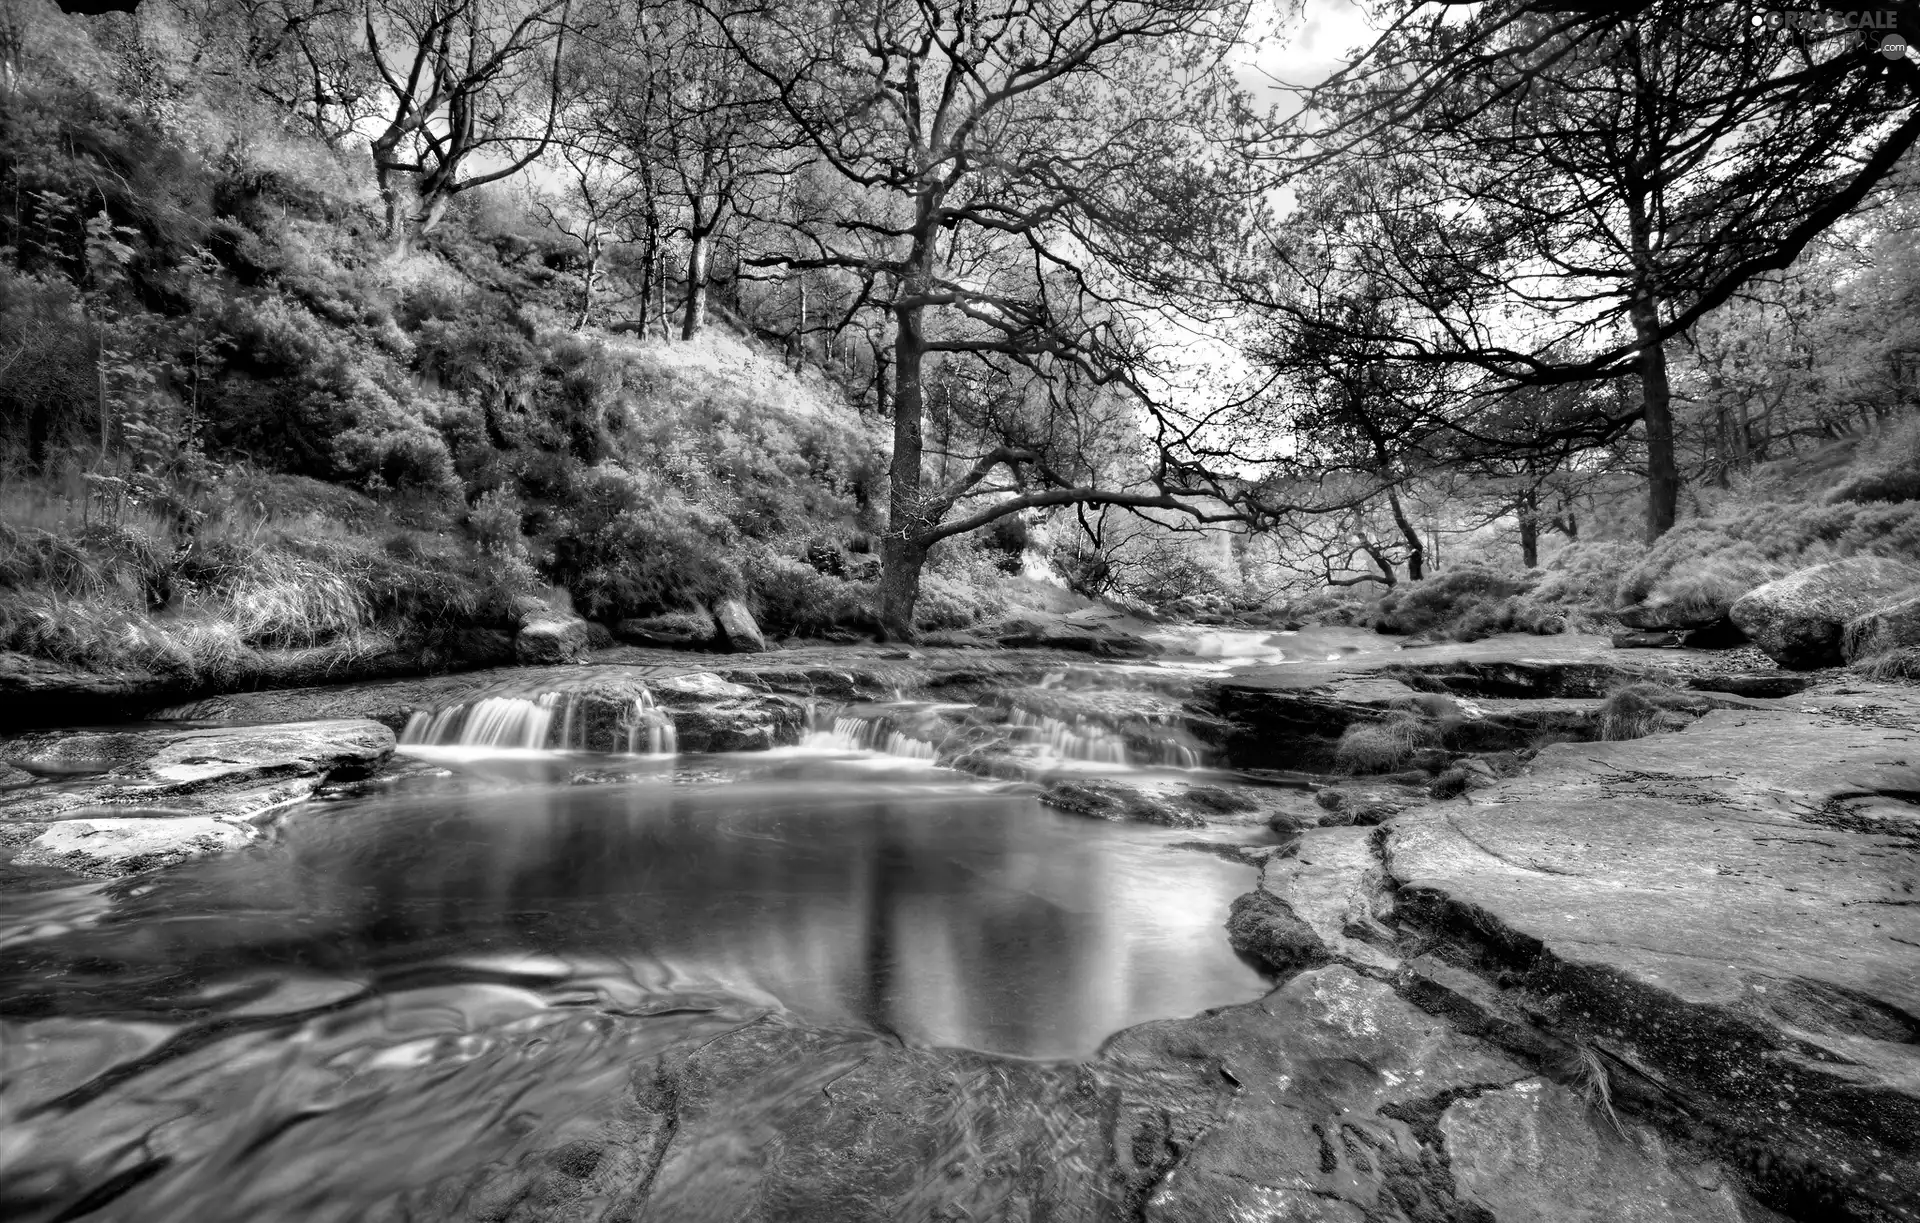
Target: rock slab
{"x":126,"y":801}
{"x":1732,"y":910}
{"x":1800,"y":620}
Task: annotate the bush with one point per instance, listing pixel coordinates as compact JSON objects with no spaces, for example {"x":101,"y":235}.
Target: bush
{"x":626,"y":546}
{"x":794,"y":599}
{"x":1438,"y":606}
{"x":946,"y":603}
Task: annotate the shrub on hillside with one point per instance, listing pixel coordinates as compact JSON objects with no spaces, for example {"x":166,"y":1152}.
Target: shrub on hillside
{"x":949,"y":603}
{"x":794,"y":599}
{"x":625,"y":546}
{"x":1438,"y":606}
{"x":1886,"y":470}
{"x":1712,"y":561}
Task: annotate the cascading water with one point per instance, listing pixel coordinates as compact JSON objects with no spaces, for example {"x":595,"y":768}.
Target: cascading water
{"x":632,"y":723}
{"x":844,"y":732}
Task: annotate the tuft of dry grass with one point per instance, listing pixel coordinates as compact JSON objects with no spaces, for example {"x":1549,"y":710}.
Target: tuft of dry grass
{"x":1386,"y":746}
{"x":1639,"y":710}
{"x":1593,"y":1083}
{"x":1902,"y":663}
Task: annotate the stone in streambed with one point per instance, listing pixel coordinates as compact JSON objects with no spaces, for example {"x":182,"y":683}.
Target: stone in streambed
{"x":1799,"y":620}
{"x":546,"y":642}
{"x":739,"y":633}
{"x":110,"y":846}
{"x":683,"y":630}
{"x":166,"y":795}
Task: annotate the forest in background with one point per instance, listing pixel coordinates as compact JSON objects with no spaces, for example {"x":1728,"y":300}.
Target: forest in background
{"x":348,"y":329}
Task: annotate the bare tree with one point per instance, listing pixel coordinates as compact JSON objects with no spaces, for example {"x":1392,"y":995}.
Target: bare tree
{"x":1019,"y":181}
{"x":1553,"y":194}
{"x":464,"y":84}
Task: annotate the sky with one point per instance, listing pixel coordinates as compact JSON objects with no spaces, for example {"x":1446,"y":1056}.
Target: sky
{"x":1306,"y":48}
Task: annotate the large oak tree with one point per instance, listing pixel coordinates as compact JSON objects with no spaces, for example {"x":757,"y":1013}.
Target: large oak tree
{"x":1018,"y":184}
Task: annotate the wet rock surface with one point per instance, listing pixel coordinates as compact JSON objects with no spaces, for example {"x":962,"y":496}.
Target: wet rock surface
{"x":120,"y":802}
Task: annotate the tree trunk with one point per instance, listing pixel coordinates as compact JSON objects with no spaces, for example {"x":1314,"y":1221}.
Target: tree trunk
{"x":586,"y":293}
{"x":646,"y":289}
{"x":903,"y":549}
{"x":1656,"y":404}
{"x":695,"y":316}
{"x":1416,"y":552}
{"x":1527,"y":509}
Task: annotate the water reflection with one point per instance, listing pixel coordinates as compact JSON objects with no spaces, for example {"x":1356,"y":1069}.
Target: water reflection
{"x":398,"y":976}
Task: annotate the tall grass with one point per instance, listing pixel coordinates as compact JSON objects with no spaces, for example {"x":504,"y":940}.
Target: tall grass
{"x":201,"y":594}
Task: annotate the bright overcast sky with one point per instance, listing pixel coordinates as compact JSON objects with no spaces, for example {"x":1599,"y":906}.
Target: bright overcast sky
{"x":1305,"y":50}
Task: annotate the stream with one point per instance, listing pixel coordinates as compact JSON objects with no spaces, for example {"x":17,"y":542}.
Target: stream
{"x":406,"y":986}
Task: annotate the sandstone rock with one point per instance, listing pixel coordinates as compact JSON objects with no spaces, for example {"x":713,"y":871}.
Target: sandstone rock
{"x":1113,"y":800}
{"x":550,"y":641}
{"x":166,"y":795}
{"x":1889,"y":627}
{"x":1533,"y":1150}
{"x":1669,"y":616}
{"x":749,"y":724}
{"x":1799,"y":619}
{"x":687,"y":630}
{"x":1647,"y":639}
{"x":1342,"y":1116}
{"x":1766,"y":684}
{"x":1733,"y":905}
{"x":1332,"y":882}
{"x":112,"y":846}
{"x":1264,"y":926}
{"x":739,"y":634}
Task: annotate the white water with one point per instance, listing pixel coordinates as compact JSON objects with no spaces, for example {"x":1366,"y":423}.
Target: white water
{"x":529,"y":723}
{"x":855,"y":733}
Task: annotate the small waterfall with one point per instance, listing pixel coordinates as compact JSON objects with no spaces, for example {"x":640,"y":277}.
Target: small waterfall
{"x":1088,"y":741}
{"x":1079,"y":740}
{"x":557,"y":720}
{"x":842,"y":732}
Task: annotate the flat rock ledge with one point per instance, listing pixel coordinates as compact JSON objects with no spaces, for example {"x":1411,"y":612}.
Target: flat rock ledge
{"x":116,"y":803}
{"x":1724,"y":922}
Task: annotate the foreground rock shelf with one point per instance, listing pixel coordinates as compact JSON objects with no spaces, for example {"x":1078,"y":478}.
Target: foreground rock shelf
{"x":1722,"y":925}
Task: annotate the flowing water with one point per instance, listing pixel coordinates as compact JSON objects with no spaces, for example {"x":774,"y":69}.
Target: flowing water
{"x":401,"y":987}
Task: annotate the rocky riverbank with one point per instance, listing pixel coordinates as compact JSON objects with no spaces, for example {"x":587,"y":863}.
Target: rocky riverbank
{"x":1671,"y":977}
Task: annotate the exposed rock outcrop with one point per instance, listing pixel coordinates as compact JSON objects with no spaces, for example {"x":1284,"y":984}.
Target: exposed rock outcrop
{"x":739,"y":632}
{"x":1729,"y":913}
{"x":143,"y":798}
{"x":552,"y":640}
{"x":1800,"y":619}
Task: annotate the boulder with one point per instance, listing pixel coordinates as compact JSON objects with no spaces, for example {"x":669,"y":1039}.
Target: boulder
{"x":544,"y":643}
{"x":127,"y":801}
{"x":683,"y":630}
{"x":1799,"y":620}
{"x":1888,"y":627}
{"x":739,"y":634}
